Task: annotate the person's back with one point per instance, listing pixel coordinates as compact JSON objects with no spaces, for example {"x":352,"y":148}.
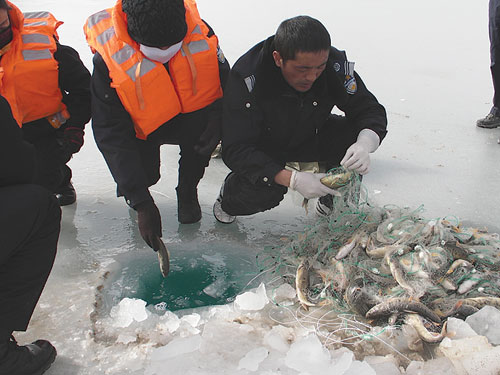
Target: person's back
{"x":47,"y":87}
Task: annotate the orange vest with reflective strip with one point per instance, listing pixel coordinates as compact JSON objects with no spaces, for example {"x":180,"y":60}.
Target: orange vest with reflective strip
{"x":29,"y":73}
{"x":147,"y":91}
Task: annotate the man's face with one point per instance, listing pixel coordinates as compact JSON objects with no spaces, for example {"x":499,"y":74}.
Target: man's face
{"x":4,"y":20}
{"x":303,"y":70}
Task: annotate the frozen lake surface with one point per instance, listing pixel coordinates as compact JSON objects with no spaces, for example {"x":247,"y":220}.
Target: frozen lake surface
{"x":426,"y":62}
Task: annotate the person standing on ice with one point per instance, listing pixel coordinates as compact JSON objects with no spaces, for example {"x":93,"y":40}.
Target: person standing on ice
{"x":29,"y":230}
{"x":47,"y":87}
{"x":277,"y":109}
{"x":158,"y":77}
{"x":492,"y":119}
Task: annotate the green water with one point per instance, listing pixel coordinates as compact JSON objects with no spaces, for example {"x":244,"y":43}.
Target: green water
{"x":197,"y":278}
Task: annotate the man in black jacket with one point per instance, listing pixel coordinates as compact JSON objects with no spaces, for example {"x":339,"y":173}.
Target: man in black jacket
{"x":56,"y":137}
{"x":277,"y":110}
{"x":29,"y":231}
{"x":156,"y":32}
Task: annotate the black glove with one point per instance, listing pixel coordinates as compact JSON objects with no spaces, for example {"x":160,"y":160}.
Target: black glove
{"x":72,"y":142}
{"x":210,"y":138}
{"x":149,"y":220}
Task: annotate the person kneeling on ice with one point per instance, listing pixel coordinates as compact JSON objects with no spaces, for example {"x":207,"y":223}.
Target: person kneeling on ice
{"x":47,"y":87}
{"x":158,"y":78}
{"x":30,"y":221}
{"x":277,"y":111}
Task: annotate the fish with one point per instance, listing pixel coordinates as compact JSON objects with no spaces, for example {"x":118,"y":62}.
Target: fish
{"x":358,"y":300}
{"x":398,"y":274}
{"x":480,"y":302}
{"x":337,"y":180}
{"x":401,"y":304}
{"x":461,"y":310}
{"x":381,"y":251}
{"x":302,"y":284}
{"x":457,"y":251}
{"x":163,"y":258}
{"x":416,"y":322}
{"x":459,"y":263}
{"x":347,"y":247}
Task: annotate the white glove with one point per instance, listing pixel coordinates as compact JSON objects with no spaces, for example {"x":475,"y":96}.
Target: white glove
{"x":309,"y":185}
{"x":357,"y":156}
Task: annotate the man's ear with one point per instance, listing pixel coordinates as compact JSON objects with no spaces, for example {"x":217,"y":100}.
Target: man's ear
{"x":277,"y":59}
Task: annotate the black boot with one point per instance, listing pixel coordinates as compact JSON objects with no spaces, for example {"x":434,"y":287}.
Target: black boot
{"x":31,"y":359}
{"x":188,"y":208}
{"x":66,"y":194}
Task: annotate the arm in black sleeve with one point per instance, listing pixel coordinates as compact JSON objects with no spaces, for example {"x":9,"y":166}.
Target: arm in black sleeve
{"x":242,"y":130}
{"x":17,"y":157}
{"x":115,"y":137}
{"x":363,"y":110}
{"x":74,"y":81}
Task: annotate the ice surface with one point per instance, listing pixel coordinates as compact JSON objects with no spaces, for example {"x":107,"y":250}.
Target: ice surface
{"x":441,"y":366}
{"x":432,"y":142}
{"x":458,"y":329}
{"x":128,"y":311}
{"x":308,"y":355}
{"x":486,"y":323}
{"x":252,"y":359}
{"x":252,"y":300}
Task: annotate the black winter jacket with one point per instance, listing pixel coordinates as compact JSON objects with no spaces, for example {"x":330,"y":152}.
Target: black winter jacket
{"x":267,"y":122}
{"x":115,"y":135}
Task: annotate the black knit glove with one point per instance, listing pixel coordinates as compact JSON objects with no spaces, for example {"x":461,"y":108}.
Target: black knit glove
{"x":149,"y":220}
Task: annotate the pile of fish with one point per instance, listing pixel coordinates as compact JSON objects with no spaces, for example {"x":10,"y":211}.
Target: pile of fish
{"x":391,"y":266}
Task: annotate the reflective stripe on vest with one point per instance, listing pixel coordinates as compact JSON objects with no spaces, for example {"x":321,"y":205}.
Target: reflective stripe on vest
{"x":30,"y":72}
{"x":146,"y":89}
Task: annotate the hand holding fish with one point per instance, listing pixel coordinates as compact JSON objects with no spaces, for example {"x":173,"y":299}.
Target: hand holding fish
{"x":309,"y":185}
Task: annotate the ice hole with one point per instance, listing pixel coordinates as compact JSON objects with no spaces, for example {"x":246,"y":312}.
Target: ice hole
{"x":201,"y":274}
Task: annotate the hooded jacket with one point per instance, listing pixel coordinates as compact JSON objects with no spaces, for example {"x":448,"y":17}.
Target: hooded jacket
{"x":267,"y":123}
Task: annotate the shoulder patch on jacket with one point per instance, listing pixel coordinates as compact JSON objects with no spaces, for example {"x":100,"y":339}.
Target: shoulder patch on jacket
{"x":350,"y":82}
{"x":220,"y":55}
{"x":250,"y":82}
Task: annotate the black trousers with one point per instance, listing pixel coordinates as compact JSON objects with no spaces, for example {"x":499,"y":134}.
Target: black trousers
{"x":29,"y":230}
{"x":494,"y":29}
{"x":183,"y":130}
{"x":241,"y":197}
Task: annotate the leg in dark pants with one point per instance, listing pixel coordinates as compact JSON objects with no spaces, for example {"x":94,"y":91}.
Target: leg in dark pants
{"x":494,"y":31}
{"x":30,"y":223}
{"x":183,"y":130}
{"x":241,"y":197}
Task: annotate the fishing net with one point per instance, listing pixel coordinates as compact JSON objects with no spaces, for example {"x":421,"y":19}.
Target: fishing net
{"x":362,"y":257}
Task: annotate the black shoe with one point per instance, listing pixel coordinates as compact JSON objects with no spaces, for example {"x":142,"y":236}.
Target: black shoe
{"x":491,"y":121}
{"x":31,"y":359}
{"x":66,"y":195}
{"x":188,"y":208}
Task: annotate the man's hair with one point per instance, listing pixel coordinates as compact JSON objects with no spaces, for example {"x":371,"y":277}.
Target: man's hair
{"x":301,"y":34}
{"x":156,"y":23}
{"x":4,"y":5}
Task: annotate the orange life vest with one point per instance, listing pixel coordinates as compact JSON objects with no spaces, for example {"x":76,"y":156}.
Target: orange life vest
{"x":147,"y":91}
{"x":29,"y":73}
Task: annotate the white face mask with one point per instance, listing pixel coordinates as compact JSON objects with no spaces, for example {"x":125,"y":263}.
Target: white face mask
{"x":160,"y":55}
